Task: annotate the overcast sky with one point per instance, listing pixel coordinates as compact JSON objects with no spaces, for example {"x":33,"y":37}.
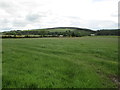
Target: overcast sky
{"x":34,"y":14}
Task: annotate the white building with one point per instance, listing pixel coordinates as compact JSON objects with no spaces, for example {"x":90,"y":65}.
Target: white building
{"x":92,"y":34}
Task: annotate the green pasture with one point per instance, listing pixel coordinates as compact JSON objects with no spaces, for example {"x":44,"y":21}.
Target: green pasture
{"x":83,"y":62}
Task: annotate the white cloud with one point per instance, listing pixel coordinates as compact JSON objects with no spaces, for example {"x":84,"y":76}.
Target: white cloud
{"x":29,"y":14}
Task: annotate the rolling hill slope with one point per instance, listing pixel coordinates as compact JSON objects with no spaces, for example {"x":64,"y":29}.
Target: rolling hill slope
{"x":65,"y":31}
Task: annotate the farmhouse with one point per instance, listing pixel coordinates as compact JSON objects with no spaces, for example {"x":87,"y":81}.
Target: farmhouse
{"x":60,"y":35}
{"x":92,"y":34}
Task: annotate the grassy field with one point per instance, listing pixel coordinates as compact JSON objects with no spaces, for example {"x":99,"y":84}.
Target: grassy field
{"x":85,"y":62}
{"x":61,"y":30}
{"x":53,"y":30}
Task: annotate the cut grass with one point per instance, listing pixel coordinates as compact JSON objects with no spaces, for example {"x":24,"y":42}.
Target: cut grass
{"x":85,"y":62}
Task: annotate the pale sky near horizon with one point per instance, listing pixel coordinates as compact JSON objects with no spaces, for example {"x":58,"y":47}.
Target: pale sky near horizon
{"x":34,"y":14}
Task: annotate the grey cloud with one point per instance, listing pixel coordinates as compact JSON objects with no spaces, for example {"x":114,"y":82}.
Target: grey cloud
{"x":102,"y":0}
{"x":5,"y":28}
{"x":72,"y":17}
{"x":115,"y":13}
{"x":5,"y":5}
{"x":10,"y":7}
{"x":4,"y":21}
{"x":4,"y":24}
{"x":97,"y":24}
{"x":33,"y":17}
{"x":19,"y":23}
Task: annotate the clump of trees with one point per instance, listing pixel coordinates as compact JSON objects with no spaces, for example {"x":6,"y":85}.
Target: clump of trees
{"x":107,"y":32}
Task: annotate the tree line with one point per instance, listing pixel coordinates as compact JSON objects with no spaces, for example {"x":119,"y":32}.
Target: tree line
{"x":50,"y":33}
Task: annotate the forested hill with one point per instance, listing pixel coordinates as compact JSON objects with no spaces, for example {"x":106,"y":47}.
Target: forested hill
{"x":64,"y":31}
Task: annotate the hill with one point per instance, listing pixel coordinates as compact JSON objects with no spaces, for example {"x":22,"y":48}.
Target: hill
{"x":58,"y":31}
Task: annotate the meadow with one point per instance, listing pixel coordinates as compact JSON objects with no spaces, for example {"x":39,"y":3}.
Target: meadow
{"x":79,"y":62}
